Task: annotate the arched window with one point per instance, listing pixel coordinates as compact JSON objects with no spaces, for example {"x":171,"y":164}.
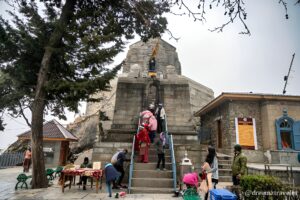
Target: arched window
{"x":284,"y":129}
{"x":285,"y":124}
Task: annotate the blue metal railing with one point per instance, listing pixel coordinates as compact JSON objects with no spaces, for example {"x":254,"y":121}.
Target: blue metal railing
{"x":169,"y":139}
{"x":131,"y":165}
{"x":132,"y":159}
{"x":173,"y":162}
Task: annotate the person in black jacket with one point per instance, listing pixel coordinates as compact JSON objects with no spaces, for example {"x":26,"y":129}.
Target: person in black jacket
{"x":83,"y":179}
{"x":119,"y":165}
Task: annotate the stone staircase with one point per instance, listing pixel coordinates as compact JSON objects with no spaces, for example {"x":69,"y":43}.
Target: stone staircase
{"x":146,"y":179}
{"x":224,"y":162}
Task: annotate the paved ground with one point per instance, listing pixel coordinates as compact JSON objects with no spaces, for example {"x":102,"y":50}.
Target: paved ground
{"x":8,"y":181}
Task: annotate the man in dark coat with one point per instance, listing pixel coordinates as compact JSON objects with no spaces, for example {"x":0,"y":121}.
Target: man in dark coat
{"x":119,"y":165}
{"x":239,"y":165}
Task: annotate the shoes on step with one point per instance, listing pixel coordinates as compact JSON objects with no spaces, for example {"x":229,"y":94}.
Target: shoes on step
{"x":157,"y":169}
{"x":78,"y":183}
{"x":164,"y":169}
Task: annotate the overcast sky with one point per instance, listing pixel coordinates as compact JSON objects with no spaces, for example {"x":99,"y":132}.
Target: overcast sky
{"x":227,"y":61}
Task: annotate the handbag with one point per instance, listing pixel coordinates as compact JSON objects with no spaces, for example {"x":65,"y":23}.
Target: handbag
{"x":203,"y":187}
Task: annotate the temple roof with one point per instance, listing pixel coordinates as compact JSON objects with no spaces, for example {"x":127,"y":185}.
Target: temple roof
{"x":225,"y":96}
{"x":52,"y":130}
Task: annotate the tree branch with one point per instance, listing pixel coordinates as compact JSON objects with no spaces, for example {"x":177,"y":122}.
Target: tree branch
{"x":234,"y":9}
{"x":172,"y":36}
{"x":23,"y":115}
{"x":285,"y":7}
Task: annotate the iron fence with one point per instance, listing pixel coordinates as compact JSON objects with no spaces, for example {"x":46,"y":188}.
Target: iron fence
{"x":11,"y":159}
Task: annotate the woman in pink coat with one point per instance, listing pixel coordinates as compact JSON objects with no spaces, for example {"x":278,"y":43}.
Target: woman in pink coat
{"x":149,"y":118}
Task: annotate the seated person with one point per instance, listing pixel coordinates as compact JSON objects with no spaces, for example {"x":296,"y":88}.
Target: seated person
{"x":83,"y":179}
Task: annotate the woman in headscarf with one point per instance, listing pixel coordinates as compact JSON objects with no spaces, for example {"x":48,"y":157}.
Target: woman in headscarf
{"x":191,"y":182}
{"x":144,"y":142}
{"x":148,"y":117}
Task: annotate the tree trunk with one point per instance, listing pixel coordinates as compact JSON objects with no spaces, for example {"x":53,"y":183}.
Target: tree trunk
{"x":39,"y":179}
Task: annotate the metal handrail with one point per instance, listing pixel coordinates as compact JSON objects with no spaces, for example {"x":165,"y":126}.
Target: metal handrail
{"x":132,"y":158}
{"x":171,"y":147}
{"x":173,"y":162}
{"x":131,"y":165}
{"x":167,"y":132}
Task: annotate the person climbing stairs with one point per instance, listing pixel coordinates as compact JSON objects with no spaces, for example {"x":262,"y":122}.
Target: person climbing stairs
{"x":147,"y":179}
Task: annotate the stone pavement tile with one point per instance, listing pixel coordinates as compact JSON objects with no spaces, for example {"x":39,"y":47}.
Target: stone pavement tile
{"x":164,"y":196}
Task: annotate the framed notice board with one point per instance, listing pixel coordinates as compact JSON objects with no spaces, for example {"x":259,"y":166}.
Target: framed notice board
{"x":246,"y":132}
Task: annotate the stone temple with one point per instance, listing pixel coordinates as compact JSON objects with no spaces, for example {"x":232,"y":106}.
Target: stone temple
{"x":133,"y":90}
{"x":111,"y":123}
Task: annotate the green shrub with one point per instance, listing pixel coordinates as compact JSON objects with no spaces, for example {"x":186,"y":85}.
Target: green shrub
{"x":265,"y":187}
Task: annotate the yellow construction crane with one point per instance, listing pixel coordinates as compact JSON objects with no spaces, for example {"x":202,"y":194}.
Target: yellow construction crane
{"x":152,"y":61}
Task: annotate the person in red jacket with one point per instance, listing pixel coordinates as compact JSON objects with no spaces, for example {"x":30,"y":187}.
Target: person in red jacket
{"x":144,"y":142}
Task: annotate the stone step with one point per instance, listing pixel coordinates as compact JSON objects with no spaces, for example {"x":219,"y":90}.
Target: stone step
{"x":150,"y":166}
{"x":222,"y":161}
{"x":225,"y":178}
{"x":153,"y":158}
{"x":224,"y":166}
{"x":147,"y":190}
{"x":224,"y":157}
{"x":119,"y":135}
{"x":152,"y":174}
{"x":152,"y":182}
{"x":225,"y":172}
{"x":120,"y":145}
{"x":154,"y":152}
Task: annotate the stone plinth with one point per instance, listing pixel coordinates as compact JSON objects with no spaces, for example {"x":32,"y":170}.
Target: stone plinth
{"x":180,"y":96}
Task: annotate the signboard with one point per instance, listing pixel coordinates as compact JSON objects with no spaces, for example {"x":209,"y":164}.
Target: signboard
{"x":96,"y":165}
{"x":246,"y":132}
{"x":47,"y":149}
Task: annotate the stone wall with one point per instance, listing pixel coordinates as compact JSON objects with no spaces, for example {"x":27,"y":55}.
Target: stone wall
{"x":129,"y":103}
{"x":194,"y":153}
{"x":284,"y":157}
{"x":210,"y":119}
{"x":281,"y":174}
{"x":256,"y":156}
{"x":86,"y":129}
{"x":94,"y":124}
{"x":176,"y":99}
{"x":181,"y":98}
{"x":200,"y":95}
{"x":265,"y":114}
{"x":103,"y":152}
{"x":227,"y":112}
{"x":272,"y":110}
{"x":140,"y":53}
{"x":246,"y":109}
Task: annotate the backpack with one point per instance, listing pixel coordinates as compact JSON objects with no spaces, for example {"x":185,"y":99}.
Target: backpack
{"x":114,"y":159}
